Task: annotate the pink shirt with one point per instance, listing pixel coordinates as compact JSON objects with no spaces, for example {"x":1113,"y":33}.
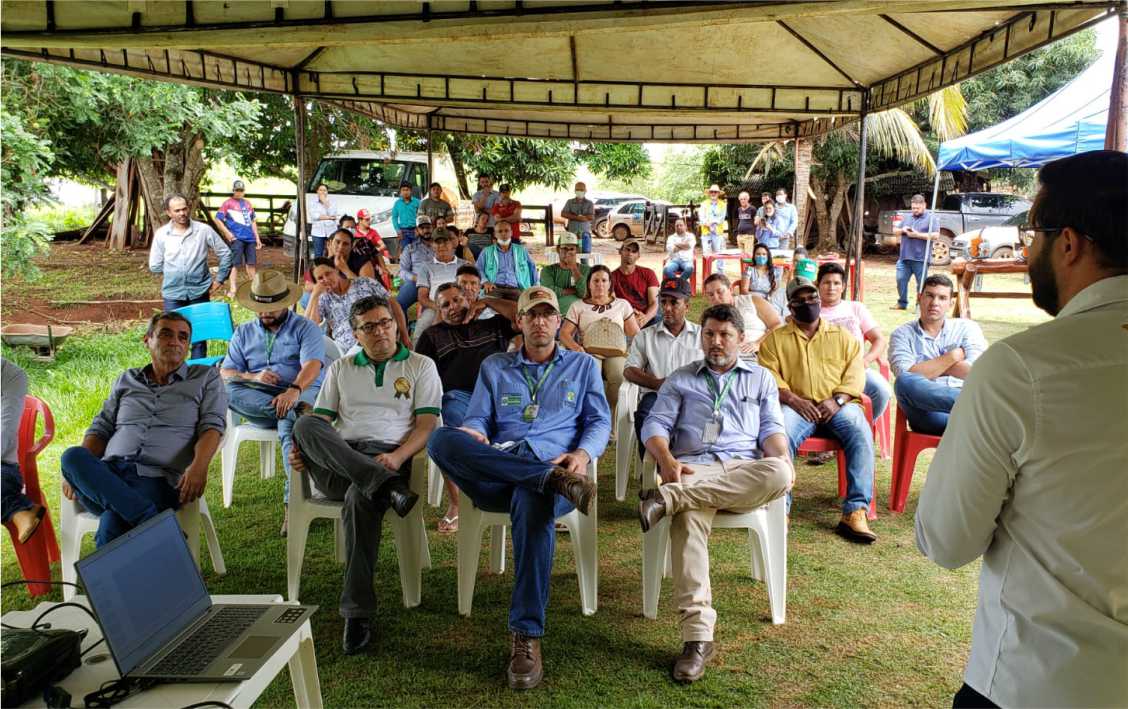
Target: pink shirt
{"x":851,"y":315}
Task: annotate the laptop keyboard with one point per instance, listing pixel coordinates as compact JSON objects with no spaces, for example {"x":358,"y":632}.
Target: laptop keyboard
{"x":193,"y":655}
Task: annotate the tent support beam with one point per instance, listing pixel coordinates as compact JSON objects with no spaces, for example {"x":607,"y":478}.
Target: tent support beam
{"x":301,"y":247}
{"x":931,"y":226}
{"x":919,"y":40}
{"x":430,"y":153}
{"x":818,"y":52}
{"x":855,"y":241}
{"x":1116,"y":136}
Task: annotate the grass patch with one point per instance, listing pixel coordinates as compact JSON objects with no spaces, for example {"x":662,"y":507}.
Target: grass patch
{"x":879,"y":625}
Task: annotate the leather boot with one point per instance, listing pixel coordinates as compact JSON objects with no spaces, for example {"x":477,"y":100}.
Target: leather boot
{"x":855,"y":527}
{"x":690,"y":665}
{"x":651,"y":509}
{"x":525,"y":667}
{"x":27,"y":521}
{"x":358,"y":633}
{"x":573,"y":487}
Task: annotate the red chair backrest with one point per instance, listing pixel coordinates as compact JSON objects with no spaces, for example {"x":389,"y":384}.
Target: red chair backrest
{"x":27,"y":445}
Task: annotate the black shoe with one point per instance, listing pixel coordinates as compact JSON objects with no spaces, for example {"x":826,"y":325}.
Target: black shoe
{"x":358,"y":632}
{"x":302,"y":408}
{"x":400,"y":497}
{"x":690,"y":665}
{"x":651,"y":509}
{"x":575,"y":488}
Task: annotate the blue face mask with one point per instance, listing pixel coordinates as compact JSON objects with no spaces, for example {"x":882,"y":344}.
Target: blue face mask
{"x":760,"y":260}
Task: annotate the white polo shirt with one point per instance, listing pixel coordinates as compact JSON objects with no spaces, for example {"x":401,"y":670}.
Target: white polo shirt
{"x":379,"y":400}
{"x":655,"y":351}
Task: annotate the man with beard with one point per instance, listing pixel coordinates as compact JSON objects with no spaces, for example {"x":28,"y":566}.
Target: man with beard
{"x":537,"y":417}
{"x":818,"y":367}
{"x":459,"y":344}
{"x":931,"y":357}
{"x":1031,"y":472}
{"x":717,"y":434}
{"x":274,"y":361}
{"x":636,"y":284}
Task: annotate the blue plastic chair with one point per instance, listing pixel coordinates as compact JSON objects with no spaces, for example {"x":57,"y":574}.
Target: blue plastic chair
{"x":210,"y":321}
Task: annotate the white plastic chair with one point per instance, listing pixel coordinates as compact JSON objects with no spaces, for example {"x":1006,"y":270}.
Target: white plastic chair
{"x":307,"y":504}
{"x":237,"y":434}
{"x":767,"y":543}
{"x":625,"y":439}
{"x":77,"y":523}
{"x":434,"y":484}
{"x":472,"y":523}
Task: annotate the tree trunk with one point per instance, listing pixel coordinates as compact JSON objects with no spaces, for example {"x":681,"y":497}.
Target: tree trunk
{"x":822,"y":218}
{"x":803,"y":158}
{"x":152,"y":190}
{"x":841,"y":188}
{"x":459,"y":171}
{"x":118,"y":236}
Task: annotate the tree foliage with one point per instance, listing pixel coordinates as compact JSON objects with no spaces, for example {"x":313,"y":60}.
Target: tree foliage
{"x":25,"y":161}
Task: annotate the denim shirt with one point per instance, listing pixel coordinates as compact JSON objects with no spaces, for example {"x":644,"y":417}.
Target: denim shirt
{"x":909,"y":345}
{"x":183,"y":259}
{"x":750,"y":412}
{"x":413,"y":257}
{"x":298,"y":340}
{"x":573,"y":409}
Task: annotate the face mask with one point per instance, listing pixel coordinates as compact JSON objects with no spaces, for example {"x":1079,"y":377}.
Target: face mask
{"x":807,"y":312}
{"x":760,"y":260}
{"x":580,"y":194}
{"x":781,"y":199}
{"x":503,"y":242}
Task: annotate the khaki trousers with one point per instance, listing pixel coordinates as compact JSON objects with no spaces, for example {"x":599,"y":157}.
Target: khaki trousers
{"x":731,"y":486}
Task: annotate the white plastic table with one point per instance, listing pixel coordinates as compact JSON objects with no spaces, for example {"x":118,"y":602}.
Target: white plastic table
{"x":297,"y":651}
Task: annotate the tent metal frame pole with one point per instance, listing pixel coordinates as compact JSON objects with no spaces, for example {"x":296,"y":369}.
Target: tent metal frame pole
{"x":855,"y":241}
{"x":301,"y":248}
{"x":931,"y":226}
{"x":430,"y":152}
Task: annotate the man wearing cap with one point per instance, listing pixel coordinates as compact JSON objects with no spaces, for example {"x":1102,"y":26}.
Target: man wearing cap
{"x":274,"y":361}
{"x":375,"y":245}
{"x":411,"y":259}
{"x":818,"y":368}
{"x":657,"y":351}
{"x":717,"y":435}
{"x":680,"y":259}
{"x":636,"y":284}
{"x":443,"y":268}
{"x":485,"y":198}
{"x":374,"y":413}
{"x":505,"y":265}
{"x":405,"y":213}
{"x":568,"y":277}
{"x":236,"y":219}
{"x":435,"y":207}
{"x":579,"y":211}
{"x":537,"y":418}
{"x":712,"y":215}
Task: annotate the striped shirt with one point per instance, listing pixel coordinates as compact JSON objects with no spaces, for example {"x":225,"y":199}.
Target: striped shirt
{"x":910,"y":345}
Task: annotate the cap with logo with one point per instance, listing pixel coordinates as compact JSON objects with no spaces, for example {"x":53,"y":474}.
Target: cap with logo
{"x":537,"y":295}
{"x":799,"y":283}
{"x":675,"y":287}
{"x":238,"y":186}
{"x":363,"y":214}
{"x":567,"y":239}
{"x":422,"y":219}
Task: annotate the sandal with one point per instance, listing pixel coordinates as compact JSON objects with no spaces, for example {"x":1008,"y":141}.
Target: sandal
{"x":448,"y":525}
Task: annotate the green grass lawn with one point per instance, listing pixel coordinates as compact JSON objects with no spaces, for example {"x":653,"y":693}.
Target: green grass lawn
{"x":876,"y":625}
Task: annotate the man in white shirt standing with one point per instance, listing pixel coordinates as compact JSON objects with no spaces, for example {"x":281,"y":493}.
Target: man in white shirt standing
{"x":1031,"y":471}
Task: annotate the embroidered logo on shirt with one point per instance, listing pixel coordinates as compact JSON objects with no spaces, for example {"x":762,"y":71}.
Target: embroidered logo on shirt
{"x":510,"y":399}
{"x":570,"y":397}
{"x":403,"y":388}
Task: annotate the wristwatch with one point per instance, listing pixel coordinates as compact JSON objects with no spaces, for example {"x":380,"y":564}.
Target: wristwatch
{"x":295,"y":386}
{"x":841,"y":400}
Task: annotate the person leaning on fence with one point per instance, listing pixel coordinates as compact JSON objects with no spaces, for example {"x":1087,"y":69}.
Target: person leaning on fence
{"x":506,"y":266}
{"x":274,"y":361}
{"x":717,"y":434}
{"x":537,"y":418}
{"x":375,"y":411}
{"x":236,"y":219}
{"x":149,"y":447}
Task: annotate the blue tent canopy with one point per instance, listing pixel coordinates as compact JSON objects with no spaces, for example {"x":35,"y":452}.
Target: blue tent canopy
{"x":1071,"y":120}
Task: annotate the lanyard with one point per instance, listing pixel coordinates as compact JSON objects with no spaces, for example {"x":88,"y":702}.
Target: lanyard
{"x":718,"y":396}
{"x":270,"y":337}
{"x":534,"y":388}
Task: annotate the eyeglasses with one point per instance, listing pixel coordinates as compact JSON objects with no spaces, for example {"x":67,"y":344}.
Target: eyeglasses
{"x":370,"y":327}
{"x":1026,"y":233}
{"x":546,"y":315}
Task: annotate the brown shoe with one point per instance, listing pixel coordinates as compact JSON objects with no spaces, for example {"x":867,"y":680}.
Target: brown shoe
{"x":577,"y":489}
{"x":525,"y":667}
{"x":855,"y":527}
{"x":27,"y":522}
{"x":690,"y":665}
{"x":285,"y":520}
{"x":651,"y":509}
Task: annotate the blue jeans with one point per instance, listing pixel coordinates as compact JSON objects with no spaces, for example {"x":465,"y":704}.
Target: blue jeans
{"x":850,"y":427}
{"x":407,"y":295}
{"x":879,"y":392}
{"x":114,"y":491}
{"x":510,"y":481}
{"x":254,"y":405}
{"x":455,"y":403}
{"x":12,"y":498}
{"x":319,"y":246}
{"x":676,"y":267}
{"x":200,"y":349}
{"x":406,"y":237}
{"x":926,"y":403}
{"x":585,"y":243}
{"x":906,"y":269}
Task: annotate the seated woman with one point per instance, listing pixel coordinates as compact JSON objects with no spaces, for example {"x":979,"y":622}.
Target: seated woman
{"x":764,"y":279}
{"x":758,"y":314}
{"x":600,"y":304}
{"x":334,"y":295}
{"x":480,"y":235}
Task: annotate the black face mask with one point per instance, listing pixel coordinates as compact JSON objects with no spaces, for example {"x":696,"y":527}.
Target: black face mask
{"x":806,"y":312}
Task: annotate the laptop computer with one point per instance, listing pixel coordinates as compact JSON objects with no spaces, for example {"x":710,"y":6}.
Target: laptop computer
{"x":159,"y":620}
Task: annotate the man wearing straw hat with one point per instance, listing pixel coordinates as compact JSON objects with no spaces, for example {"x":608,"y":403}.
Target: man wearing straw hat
{"x":274,"y":361}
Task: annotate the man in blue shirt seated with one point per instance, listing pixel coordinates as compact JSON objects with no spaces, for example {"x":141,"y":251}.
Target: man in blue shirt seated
{"x":717,"y":434}
{"x":149,"y":447}
{"x":931,"y":357}
{"x":273,"y":361}
{"x":537,"y":417}
{"x":506,"y":267}
{"x":914,"y":233}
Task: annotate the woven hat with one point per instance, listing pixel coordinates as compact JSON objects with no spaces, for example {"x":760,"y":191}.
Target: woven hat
{"x":269,"y":290}
{"x":537,"y":295}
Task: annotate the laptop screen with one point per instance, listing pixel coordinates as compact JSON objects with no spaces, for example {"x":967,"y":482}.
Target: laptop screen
{"x":145,"y":588}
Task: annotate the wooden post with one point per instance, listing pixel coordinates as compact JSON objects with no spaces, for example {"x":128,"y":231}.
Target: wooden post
{"x":803,"y":150}
{"x":301,"y":248}
{"x":855,"y":241}
{"x":1116,"y":137}
{"x":430,"y":155}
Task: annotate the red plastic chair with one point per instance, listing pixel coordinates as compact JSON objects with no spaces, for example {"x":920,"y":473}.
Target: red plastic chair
{"x":831,"y":445}
{"x":906,"y":447}
{"x":36,"y":556}
{"x":881,"y":430}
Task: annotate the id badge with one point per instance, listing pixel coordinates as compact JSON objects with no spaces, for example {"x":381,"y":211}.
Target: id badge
{"x":712,"y":432}
{"x":530,"y":413}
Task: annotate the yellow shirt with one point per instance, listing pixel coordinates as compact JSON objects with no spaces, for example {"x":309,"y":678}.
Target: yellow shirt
{"x":815,"y":368}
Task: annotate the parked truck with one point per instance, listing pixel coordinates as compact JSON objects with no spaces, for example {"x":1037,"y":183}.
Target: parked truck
{"x":958,"y":213}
